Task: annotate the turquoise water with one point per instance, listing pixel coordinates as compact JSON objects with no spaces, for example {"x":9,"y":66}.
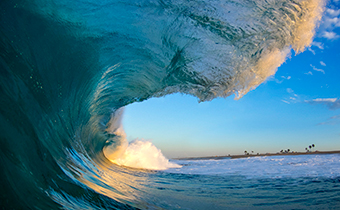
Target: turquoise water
{"x":68,"y":69}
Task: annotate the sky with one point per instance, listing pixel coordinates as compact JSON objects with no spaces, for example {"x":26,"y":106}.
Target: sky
{"x":297,"y":107}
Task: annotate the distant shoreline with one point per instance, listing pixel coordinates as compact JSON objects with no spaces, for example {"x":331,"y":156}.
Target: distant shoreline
{"x":258,"y":155}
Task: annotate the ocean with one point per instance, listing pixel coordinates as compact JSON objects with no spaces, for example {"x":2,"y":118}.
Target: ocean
{"x":268,"y":182}
{"x":68,"y":69}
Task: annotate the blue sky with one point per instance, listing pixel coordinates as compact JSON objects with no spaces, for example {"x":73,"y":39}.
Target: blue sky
{"x":297,"y":107}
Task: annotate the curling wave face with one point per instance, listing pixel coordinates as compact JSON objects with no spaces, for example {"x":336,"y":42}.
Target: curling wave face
{"x":67,"y":67}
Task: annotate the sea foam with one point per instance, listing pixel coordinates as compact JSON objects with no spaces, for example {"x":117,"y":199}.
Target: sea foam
{"x":136,"y":154}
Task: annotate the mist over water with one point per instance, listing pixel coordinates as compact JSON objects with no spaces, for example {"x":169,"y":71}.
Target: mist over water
{"x":136,"y":154}
{"x":143,"y":154}
{"x":69,"y":68}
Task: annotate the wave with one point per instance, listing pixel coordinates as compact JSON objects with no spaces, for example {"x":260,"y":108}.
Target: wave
{"x":69,"y":68}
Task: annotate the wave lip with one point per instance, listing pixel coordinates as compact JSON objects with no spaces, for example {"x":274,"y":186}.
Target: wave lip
{"x":232,"y":47}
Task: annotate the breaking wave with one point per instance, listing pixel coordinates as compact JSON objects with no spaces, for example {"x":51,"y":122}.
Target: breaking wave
{"x":69,"y":67}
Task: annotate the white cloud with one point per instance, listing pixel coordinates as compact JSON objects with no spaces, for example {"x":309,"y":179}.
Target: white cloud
{"x":287,"y":78}
{"x":335,"y":117}
{"x":330,"y":21}
{"x":283,"y":79}
{"x":333,"y":12}
{"x":289,"y":90}
{"x":331,"y":121}
{"x":322,"y":63}
{"x":316,"y":69}
{"x":309,"y":73}
{"x":285,"y":102}
{"x":331,"y":103}
{"x":311,"y":50}
{"x":292,"y":97}
{"x":325,"y":99}
{"x":318,"y":45}
{"x":329,"y":35}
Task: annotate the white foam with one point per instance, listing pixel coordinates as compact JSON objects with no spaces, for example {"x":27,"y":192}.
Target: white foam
{"x":136,"y":154}
{"x":143,"y":154}
{"x":266,"y":167}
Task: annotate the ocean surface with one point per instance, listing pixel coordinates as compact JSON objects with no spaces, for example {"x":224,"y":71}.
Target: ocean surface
{"x":68,"y":69}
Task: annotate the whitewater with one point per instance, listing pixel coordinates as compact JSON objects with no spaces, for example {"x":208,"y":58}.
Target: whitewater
{"x":68,"y":69}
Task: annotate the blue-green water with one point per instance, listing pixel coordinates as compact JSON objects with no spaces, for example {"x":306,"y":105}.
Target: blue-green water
{"x":67,"y":69}
{"x":282,"y":182}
